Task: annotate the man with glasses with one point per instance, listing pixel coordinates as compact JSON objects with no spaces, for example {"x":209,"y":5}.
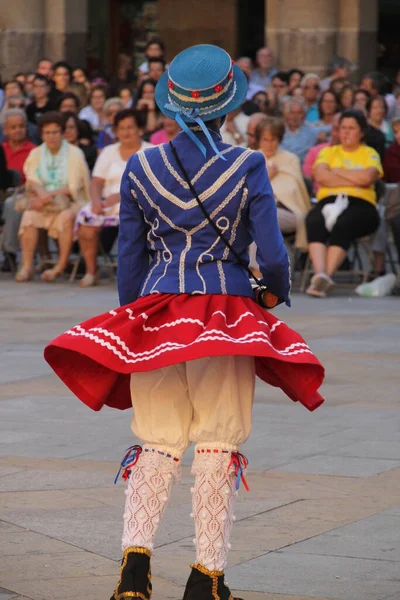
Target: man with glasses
{"x":299,"y":136}
{"x":311,"y":90}
{"x":41,"y":102}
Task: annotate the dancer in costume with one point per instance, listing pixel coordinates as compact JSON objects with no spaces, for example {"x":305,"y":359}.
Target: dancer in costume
{"x":189,"y":338}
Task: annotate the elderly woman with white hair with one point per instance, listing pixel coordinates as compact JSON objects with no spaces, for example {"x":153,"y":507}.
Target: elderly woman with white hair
{"x":299,"y":136}
{"x":107,"y":136}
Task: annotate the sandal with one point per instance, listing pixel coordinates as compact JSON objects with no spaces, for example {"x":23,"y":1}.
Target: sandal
{"x":51,"y":275}
{"x":24,"y":274}
{"x":89,"y":280}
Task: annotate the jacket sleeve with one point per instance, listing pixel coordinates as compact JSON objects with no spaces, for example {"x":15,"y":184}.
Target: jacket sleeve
{"x":133,"y":258}
{"x":272,"y":255}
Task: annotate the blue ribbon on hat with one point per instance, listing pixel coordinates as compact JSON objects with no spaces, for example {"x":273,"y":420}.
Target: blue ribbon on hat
{"x":192,"y":115}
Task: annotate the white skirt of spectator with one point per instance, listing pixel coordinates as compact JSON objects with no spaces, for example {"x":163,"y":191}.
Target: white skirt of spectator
{"x":110,"y":217}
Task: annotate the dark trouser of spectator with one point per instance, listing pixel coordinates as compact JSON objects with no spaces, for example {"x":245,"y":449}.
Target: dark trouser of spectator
{"x":108,"y":235}
{"x":359,"y":219}
{"x":395,"y":225}
{"x":10,"y":243}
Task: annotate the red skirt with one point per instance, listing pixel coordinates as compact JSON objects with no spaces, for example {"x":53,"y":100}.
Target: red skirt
{"x":95,"y":359}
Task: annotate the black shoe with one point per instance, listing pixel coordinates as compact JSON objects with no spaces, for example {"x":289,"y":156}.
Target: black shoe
{"x":135,"y":579}
{"x":206,"y":585}
{"x":9,"y":263}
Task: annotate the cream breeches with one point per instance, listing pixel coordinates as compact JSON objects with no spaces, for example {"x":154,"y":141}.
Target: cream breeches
{"x":207,"y":401}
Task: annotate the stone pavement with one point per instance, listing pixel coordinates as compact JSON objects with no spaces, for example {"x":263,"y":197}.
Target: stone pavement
{"x":322,"y":520}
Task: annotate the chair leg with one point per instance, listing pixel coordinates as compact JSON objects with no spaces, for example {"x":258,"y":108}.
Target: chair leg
{"x":305,"y":275}
{"x":75,"y":268}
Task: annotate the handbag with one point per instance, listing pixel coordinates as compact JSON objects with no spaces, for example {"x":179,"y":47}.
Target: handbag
{"x":271,"y":298}
{"x":22,"y":202}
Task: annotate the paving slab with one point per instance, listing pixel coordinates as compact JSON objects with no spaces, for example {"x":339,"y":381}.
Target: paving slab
{"x":320,"y":521}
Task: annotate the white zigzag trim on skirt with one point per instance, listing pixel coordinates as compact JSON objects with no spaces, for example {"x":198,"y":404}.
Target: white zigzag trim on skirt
{"x":198,"y":322}
{"x":256,"y":336}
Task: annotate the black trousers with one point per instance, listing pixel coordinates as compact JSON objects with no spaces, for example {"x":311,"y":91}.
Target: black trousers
{"x":358,"y":220}
{"x":395,"y":225}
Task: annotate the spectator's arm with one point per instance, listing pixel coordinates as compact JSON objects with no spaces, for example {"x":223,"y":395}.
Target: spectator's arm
{"x":324,"y":176}
{"x":309,"y":163}
{"x":359,"y":177}
{"x":96,"y":188}
{"x":263,"y":227}
{"x":133,"y":258}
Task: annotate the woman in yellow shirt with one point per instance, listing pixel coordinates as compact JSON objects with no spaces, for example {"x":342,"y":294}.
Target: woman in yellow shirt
{"x":350,"y":168}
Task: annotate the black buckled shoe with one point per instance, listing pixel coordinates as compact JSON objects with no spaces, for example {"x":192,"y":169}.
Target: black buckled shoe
{"x":207,"y":585}
{"x":135,"y":579}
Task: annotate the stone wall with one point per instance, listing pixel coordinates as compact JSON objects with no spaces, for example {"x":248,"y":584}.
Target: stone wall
{"x":183,"y":23}
{"x":31,"y":29}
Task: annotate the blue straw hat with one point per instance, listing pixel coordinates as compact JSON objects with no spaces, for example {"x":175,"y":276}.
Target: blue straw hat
{"x":202,"y":83}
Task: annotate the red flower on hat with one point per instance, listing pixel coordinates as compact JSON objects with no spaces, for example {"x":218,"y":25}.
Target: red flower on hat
{"x":218,"y":88}
{"x":230,"y":74}
{"x":170,"y":85}
{"x":195,"y":94}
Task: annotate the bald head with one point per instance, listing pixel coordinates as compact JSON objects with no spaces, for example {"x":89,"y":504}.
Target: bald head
{"x":254,"y":120}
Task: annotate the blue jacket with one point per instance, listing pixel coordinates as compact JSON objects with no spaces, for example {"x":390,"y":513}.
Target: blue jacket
{"x":167,"y":245}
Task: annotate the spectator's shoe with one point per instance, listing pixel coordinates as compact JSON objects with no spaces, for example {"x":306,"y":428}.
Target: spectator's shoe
{"x":320,"y":284}
{"x":89,"y":280}
{"x":23,"y":275}
{"x":207,"y":585}
{"x":135,"y":578}
{"x":50,"y":275}
{"x":9,"y":263}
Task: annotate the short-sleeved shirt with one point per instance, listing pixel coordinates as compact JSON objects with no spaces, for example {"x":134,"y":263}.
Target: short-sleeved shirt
{"x":337,"y":158}
{"x":110,"y":166}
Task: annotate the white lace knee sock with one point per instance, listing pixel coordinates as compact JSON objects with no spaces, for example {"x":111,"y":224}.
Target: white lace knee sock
{"x":147,"y":494}
{"x":214,"y":496}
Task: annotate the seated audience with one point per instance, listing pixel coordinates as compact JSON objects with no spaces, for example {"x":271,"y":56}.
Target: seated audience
{"x":156,"y":68}
{"x":103,"y":211}
{"x":294,"y":79}
{"x":76,"y":135}
{"x":68,"y":102}
{"x":112,"y":106}
{"x":311,"y":89}
{"x":291,"y":196}
{"x":254,"y":120}
{"x":339,"y":68}
{"x":391,"y":162}
{"x":328,"y":106}
{"x":19,"y":102}
{"x":262,"y":102}
{"x":146,"y":104}
{"x":312,"y":154}
{"x":299,"y":136}
{"x":346,"y":97}
{"x":79,"y":75}
{"x":126,"y":96}
{"x":169,"y":130}
{"x":350,"y":168}
{"x":361,"y":98}
{"x":13,"y":88}
{"x":155,"y":48}
{"x":233,"y":130}
{"x":93,"y":113}
{"x":280,"y":86}
{"x":57,"y":182}
{"x":265,"y":69}
{"x":246,"y":65}
{"x":45,"y":68}
{"x":41,"y":101}
{"x":377,"y":111}
{"x":62,"y":78}
{"x":17,"y":148}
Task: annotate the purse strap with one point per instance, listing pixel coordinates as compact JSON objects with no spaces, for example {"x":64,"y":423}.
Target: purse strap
{"x":209,"y":219}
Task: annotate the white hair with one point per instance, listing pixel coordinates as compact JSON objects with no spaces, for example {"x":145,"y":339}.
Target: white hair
{"x":307,"y":77}
{"x":13,"y":112}
{"x":288,"y":105}
{"x":111,"y":102}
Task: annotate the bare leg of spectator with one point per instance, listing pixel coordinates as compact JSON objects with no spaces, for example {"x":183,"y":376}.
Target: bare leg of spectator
{"x":28,"y":241}
{"x":88,"y":241}
{"x":65,"y":234}
{"x":318,"y":252}
{"x":334,"y":258}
